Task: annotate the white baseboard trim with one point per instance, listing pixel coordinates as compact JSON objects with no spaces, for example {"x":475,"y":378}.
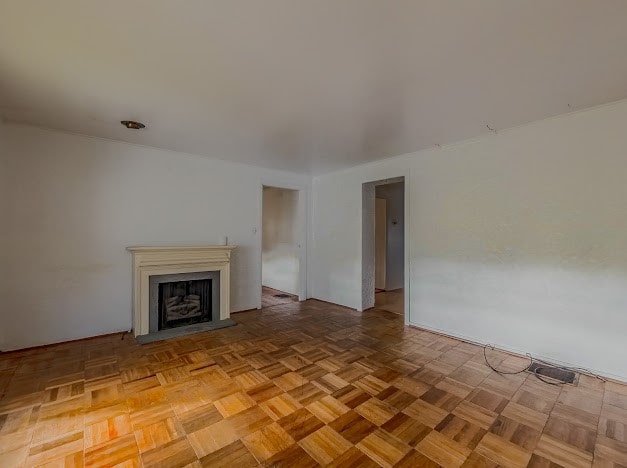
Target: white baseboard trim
{"x":518,"y":352}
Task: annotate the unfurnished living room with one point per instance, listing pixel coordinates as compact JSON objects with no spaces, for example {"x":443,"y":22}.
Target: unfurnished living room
{"x":294,"y":233}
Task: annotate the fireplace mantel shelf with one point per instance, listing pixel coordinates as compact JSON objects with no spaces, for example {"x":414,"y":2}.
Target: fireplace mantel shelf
{"x":161,"y":260}
{"x":178,"y":248}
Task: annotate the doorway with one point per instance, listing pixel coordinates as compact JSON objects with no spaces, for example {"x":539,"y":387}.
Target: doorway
{"x":280,"y":246}
{"x":383,"y":249}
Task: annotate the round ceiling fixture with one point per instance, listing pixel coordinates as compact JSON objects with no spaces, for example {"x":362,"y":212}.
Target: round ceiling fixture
{"x":132,"y":124}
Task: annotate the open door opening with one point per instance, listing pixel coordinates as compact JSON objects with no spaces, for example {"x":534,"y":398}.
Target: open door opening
{"x":383,"y":253}
{"x":280,"y":253}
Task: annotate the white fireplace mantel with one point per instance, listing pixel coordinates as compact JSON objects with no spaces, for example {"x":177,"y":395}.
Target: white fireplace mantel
{"x":165,"y":260}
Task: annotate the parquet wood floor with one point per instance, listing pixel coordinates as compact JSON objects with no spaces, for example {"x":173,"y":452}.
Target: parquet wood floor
{"x":300,"y":384}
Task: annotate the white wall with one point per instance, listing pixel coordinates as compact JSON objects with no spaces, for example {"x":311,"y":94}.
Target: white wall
{"x":517,"y":239}
{"x":280,"y":250}
{"x":4,"y":200}
{"x":380,"y":242}
{"x":76,"y":203}
{"x":394,"y":194}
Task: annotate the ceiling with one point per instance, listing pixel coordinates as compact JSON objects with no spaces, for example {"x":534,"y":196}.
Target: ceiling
{"x":306,"y":85}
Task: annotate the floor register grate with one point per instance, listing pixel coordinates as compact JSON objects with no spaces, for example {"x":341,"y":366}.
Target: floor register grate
{"x":555,"y":373}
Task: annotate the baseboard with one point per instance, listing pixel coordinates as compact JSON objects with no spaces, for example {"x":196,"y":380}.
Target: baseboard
{"x":244,"y":310}
{"x":520,"y":353}
{"x":333,"y":304}
{"x":59,"y":343}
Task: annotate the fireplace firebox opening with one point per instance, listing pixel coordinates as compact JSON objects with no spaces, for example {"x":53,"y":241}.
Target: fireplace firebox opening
{"x":184,"y":303}
{"x":182,"y":300}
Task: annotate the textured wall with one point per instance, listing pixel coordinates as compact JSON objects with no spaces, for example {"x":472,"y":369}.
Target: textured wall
{"x":367,"y":246}
{"x":517,"y":238}
{"x":76,"y":203}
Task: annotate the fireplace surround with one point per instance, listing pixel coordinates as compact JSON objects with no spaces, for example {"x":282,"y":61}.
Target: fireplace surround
{"x":190,"y":284}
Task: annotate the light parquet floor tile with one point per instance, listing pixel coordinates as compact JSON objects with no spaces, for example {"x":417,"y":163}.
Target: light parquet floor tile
{"x":325,"y":445}
{"x":443,"y":450}
{"x":383,"y":448}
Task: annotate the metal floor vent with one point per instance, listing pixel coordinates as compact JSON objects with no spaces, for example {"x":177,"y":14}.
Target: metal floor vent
{"x":282,"y":296}
{"x":554,"y":373}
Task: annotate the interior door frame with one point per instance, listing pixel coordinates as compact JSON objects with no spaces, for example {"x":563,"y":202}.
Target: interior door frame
{"x":371,"y":183}
{"x":302,"y":217}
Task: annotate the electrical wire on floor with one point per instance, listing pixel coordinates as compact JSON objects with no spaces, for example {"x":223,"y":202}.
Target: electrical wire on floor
{"x":536,"y":372}
{"x":485,"y":356}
